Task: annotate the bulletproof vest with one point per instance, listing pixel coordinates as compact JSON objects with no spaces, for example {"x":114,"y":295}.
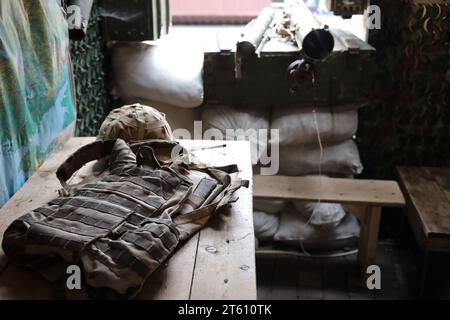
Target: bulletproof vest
{"x":121,"y":225}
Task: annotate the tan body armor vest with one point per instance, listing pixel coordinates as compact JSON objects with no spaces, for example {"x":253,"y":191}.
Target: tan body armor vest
{"x":120,"y":226}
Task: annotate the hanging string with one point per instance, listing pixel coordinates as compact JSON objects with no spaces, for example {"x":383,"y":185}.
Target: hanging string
{"x":319,"y":141}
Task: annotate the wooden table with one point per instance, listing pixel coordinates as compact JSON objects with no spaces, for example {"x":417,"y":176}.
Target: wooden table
{"x":427,"y":192}
{"x":217,"y":263}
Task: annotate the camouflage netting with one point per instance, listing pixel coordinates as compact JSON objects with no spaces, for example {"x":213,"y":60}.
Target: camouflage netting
{"x":410,"y":122}
{"x":88,"y":58}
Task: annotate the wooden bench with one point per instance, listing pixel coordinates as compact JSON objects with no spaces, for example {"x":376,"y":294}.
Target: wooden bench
{"x":362,"y":198}
{"x":217,"y":263}
{"x":427,"y":192}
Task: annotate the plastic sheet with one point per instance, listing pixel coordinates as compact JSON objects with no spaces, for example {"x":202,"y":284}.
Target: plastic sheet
{"x":36,"y":98}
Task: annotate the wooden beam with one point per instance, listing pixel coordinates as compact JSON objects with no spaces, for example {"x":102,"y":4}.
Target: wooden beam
{"x":366,"y":192}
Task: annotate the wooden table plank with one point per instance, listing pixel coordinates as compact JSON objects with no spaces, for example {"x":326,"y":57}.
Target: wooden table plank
{"x":174,"y":279}
{"x":367,"y":192}
{"x":225,"y":264}
{"x":442,"y":177}
{"x":43,"y":186}
{"x":24,"y":284}
{"x":53,"y":163}
{"x":429,"y":200}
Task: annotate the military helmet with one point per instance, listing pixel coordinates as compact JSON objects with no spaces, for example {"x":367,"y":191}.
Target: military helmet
{"x":135,"y":122}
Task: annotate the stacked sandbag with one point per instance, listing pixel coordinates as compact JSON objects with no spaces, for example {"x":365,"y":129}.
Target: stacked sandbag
{"x":299,"y":155}
{"x":316,"y":225}
{"x":265,"y":224}
{"x":269,"y":206}
{"x":158,"y":71}
{"x":338,"y":160}
{"x":233,"y":123}
{"x":297,"y":230}
{"x":320,"y":214}
{"x":299,"y":142}
{"x":297,"y":125}
{"x":155,"y":73}
{"x":266,"y":218}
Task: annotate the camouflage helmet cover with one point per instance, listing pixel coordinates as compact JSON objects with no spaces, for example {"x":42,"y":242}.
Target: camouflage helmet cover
{"x":135,"y":122}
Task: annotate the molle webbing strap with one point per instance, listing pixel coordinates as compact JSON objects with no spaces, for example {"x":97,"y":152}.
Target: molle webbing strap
{"x":157,"y":250}
{"x":87,"y":220}
{"x":54,"y":241}
{"x":161,"y":174}
{"x":88,"y":233}
{"x":167,"y":237}
{"x":138,"y":240}
{"x":135,"y":219}
{"x":87,"y":203}
{"x":46,"y":211}
{"x":127,"y":260}
{"x":85,"y":154}
{"x":140,"y":220}
{"x":113,"y":199}
{"x":125,"y":191}
{"x":158,"y":253}
{"x":156,"y":189}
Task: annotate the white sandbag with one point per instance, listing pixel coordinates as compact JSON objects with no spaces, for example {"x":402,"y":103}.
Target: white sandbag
{"x":168,"y":71}
{"x":251,"y":124}
{"x":269,"y":206}
{"x":297,"y":126}
{"x":340,"y":159}
{"x":178,"y":118}
{"x":294,"y":230}
{"x":321,"y":214}
{"x":266,"y":225}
